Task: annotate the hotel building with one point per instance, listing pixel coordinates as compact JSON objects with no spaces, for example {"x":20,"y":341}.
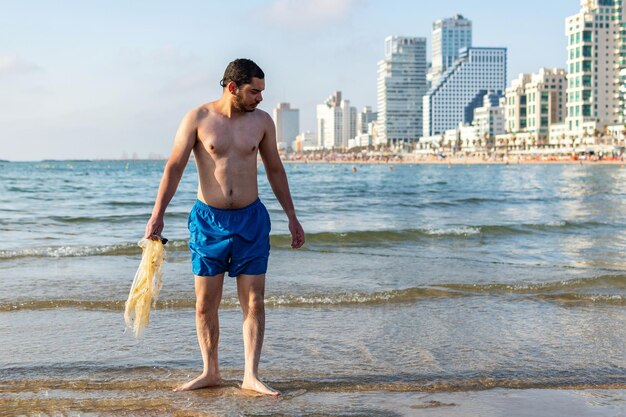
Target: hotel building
{"x":449,"y":36}
{"x":336,"y":122}
{"x":534,"y":102}
{"x":461,"y":88}
{"x":596,"y":50}
{"x":287,"y":122}
{"x":401,"y":86}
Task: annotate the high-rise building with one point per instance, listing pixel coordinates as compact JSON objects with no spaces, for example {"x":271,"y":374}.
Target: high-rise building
{"x":461,"y":88}
{"x":364,"y":118}
{"x":287,"y":121}
{"x":596,"y":47}
{"x":534,"y":102}
{"x":449,"y":36}
{"x":336,"y":122}
{"x":401,"y":86}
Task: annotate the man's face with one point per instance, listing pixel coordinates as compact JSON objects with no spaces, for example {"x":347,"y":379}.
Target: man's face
{"x":248,"y":96}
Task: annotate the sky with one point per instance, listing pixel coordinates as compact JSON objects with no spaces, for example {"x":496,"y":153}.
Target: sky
{"x":112,"y":79}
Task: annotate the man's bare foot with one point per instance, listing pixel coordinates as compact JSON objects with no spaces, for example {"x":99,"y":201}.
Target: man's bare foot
{"x":203,"y":381}
{"x":258,"y":386}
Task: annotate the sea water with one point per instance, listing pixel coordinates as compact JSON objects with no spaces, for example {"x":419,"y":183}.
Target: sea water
{"x":421,"y":288}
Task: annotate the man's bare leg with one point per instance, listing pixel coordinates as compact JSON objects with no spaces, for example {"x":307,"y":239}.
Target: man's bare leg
{"x":208,"y":298}
{"x":251,"y":291}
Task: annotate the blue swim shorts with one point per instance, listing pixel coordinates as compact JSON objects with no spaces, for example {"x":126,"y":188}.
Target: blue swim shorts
{"x":237,"y":241}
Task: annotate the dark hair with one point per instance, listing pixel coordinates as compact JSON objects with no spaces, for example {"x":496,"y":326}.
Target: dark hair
{"x":241,"y":72}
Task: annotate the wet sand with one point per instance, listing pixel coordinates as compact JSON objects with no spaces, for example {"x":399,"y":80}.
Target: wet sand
{"x":104,"y":396}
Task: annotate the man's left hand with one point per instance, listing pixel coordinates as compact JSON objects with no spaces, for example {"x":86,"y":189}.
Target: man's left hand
{"x":297,"y":234}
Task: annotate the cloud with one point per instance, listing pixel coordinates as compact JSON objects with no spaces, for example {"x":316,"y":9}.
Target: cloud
{"x":13,"y":65}
{"x":310,"y":13}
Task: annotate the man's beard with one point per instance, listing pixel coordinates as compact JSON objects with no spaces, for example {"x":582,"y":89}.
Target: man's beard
{"x":240,"y":104}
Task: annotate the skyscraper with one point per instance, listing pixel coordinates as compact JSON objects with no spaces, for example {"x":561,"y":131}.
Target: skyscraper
{"x":287,"y":122}
{"x":596,"y":47}
{"x":448,"y":37}
{"x":401,"y":86}
{"x":364,"y":118}
{"x":336,"y":122}
{"x":461,"y":88}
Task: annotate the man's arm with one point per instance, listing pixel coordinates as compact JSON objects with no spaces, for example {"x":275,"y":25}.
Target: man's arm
{"x":278,"y":180}
{"x":183,"y":144}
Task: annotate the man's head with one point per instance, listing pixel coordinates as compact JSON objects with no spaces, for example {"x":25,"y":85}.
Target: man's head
{"x":245,"y":80}
{"x":241,"y":71}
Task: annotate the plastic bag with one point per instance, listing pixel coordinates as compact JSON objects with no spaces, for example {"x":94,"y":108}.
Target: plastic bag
{"x":146,"y":285}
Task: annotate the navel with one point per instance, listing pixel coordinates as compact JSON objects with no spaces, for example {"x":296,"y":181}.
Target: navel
{"x":212,"y":147}
{"x":231,"y":192}
{"x":254,"y":147}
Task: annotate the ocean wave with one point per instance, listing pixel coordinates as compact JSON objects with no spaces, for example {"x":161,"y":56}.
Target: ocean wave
{"x":122,"y":249}
{"x":117,"y":203}
{"x":368,"y":237}
{"x":279,"y":241}
{"x":279,"y":300}
{"x":122,"y":218}
{"x":376,"y":237}
{"x":114,"y":218}
{"x":598,"y":290}
{"x":325,"y":240}
{"x":602,"y":282}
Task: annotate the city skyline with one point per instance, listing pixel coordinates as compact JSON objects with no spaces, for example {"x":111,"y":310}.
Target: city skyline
{"x":95,"y":81}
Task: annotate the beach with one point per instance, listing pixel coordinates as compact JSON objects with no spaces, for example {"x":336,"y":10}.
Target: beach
{"x":435,"y":289}
{"x":384,"y":157}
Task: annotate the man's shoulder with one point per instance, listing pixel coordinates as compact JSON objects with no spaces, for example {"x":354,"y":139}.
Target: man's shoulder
{"x":196,"y":115}
{"x":263,"y":116}
{"x":202,"y":111}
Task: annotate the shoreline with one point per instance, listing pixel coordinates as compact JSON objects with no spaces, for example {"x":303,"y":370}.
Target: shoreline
{"x":158,"y":399}
{"x":391,"y":159}
{"x":458,"y":161}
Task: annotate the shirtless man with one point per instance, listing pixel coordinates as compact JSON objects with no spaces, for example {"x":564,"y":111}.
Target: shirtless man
{"x":229,"y":226}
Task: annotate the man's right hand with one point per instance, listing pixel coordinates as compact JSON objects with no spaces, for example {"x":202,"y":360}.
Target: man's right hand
{"x":154,"y":228}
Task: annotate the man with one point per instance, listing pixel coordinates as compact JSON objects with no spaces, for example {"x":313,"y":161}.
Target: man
{"x":229,"y":226}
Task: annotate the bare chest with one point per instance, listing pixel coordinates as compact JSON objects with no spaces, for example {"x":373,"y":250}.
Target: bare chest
{"x":230,"y":139}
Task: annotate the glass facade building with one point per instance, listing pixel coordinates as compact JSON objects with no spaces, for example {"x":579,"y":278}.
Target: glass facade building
{"x":449,"y":36}
{"x":461,"y":88}
{"x":401,"y":86}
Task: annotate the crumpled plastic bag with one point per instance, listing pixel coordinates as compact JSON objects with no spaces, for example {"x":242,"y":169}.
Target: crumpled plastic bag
{"x":146,"y":286}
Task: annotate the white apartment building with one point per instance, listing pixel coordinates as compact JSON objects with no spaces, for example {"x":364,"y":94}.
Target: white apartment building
{"x":515,"y":104}
{"x":401,"y":86}
{"x":364,"y":118}
{"x":534,"y":102}
{"x":461,"y":88}
{"x":336,"y":122}
{"x":489,"y":119}
{"x":596,"y":48}
{"x":287,"y":121}
{"x":449,"y":36}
